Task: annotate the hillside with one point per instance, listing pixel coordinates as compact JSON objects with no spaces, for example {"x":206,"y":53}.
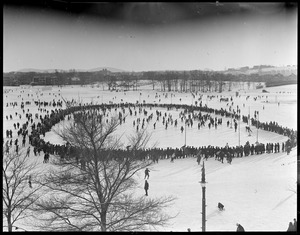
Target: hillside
{"x":27,"y":70}
{"x":113,"y":70}
{"x":263,"y":70}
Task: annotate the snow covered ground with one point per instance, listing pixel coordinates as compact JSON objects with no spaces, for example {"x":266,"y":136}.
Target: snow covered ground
{"x":258,"y":191}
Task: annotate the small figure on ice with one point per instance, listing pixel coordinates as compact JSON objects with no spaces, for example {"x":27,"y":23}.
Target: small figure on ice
{"x":248,"y":130}
{"x":147,"y":173}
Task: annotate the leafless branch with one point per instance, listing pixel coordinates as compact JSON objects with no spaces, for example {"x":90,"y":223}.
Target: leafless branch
{"x":97,"y":194}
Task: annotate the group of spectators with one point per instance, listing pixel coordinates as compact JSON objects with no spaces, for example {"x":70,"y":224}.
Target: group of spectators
{"x":188,"y":114}
{"x":154,"y":154}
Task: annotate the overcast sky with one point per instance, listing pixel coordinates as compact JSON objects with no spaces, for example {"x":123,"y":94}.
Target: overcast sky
{"x":149,"y":36}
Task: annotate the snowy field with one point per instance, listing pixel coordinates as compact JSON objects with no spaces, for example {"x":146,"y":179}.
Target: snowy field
{"x":258,"y":191}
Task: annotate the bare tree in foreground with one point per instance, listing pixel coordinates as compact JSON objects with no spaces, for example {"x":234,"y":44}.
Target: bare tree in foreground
{"x":19,"y":192}
{"x":96,"y":190}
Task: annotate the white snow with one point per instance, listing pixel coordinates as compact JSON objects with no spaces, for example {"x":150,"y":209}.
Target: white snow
{"x":255,"y":190}
{"x":258,"y":191}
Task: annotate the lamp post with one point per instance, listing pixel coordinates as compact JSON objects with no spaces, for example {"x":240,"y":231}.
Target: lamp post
{"x":249,"y":134}
{"x":185,"y":132}
{"x":184,"y":115}
{"x":203,"y":185}
{"x":239,"y":131}
{"x":257,"y":127}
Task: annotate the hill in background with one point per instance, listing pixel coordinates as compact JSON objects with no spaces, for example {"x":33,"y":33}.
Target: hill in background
{"x":113,"y":70}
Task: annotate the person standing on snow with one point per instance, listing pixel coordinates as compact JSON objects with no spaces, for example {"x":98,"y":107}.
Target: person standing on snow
{"x":146,"y":187}
{"x":240,"y":228}
{"x":199,"y":157}
{"x":288,"y":146}
{"x":28,"y":151}
{"x":147,"y":173}
{"x":291,"y":227}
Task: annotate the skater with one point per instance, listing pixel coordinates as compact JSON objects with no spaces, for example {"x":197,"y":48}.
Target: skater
{"x":28,"y":151}
{"x":23,"y":142}
{"x":17,"y":149}
{"x":240,"y":228}
{"x":29,"y":182}
{"x":146,"y":187}
{"x":199,"y":158}
{"x":248,"y":129}
{"x":46,"y":157}
{"x":147,"y":173}
{"x":6,"y":147}
{"x":172,"y":157}
{"x":288,"y":146}
{"x":235,"y":126}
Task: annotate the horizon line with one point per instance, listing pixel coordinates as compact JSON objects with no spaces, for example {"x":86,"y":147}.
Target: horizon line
{"x":158,"y":70}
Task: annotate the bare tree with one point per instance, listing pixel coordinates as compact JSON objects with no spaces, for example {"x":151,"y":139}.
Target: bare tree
{"x":19,"y":191}
{"x":98,"y":192}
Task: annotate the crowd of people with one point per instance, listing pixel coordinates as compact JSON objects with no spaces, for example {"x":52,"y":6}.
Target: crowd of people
{"x":189,"y":115}
{"x":292,"y":226}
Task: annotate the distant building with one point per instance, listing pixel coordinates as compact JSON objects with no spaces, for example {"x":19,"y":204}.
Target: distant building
{"x":53,"y":80}
{"x":244,"y":69}
{"x":75,"y":80}
{"x":44,"y":80}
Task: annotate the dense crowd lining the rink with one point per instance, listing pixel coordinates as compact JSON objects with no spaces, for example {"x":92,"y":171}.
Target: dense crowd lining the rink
{"x":188,"y":115}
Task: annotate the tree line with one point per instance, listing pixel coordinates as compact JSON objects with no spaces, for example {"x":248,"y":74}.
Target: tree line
{"x":194,"y":80}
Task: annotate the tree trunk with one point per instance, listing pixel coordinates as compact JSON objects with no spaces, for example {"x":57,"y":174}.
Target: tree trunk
{"x":9,"y":224}
{"x":103,"y":221}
